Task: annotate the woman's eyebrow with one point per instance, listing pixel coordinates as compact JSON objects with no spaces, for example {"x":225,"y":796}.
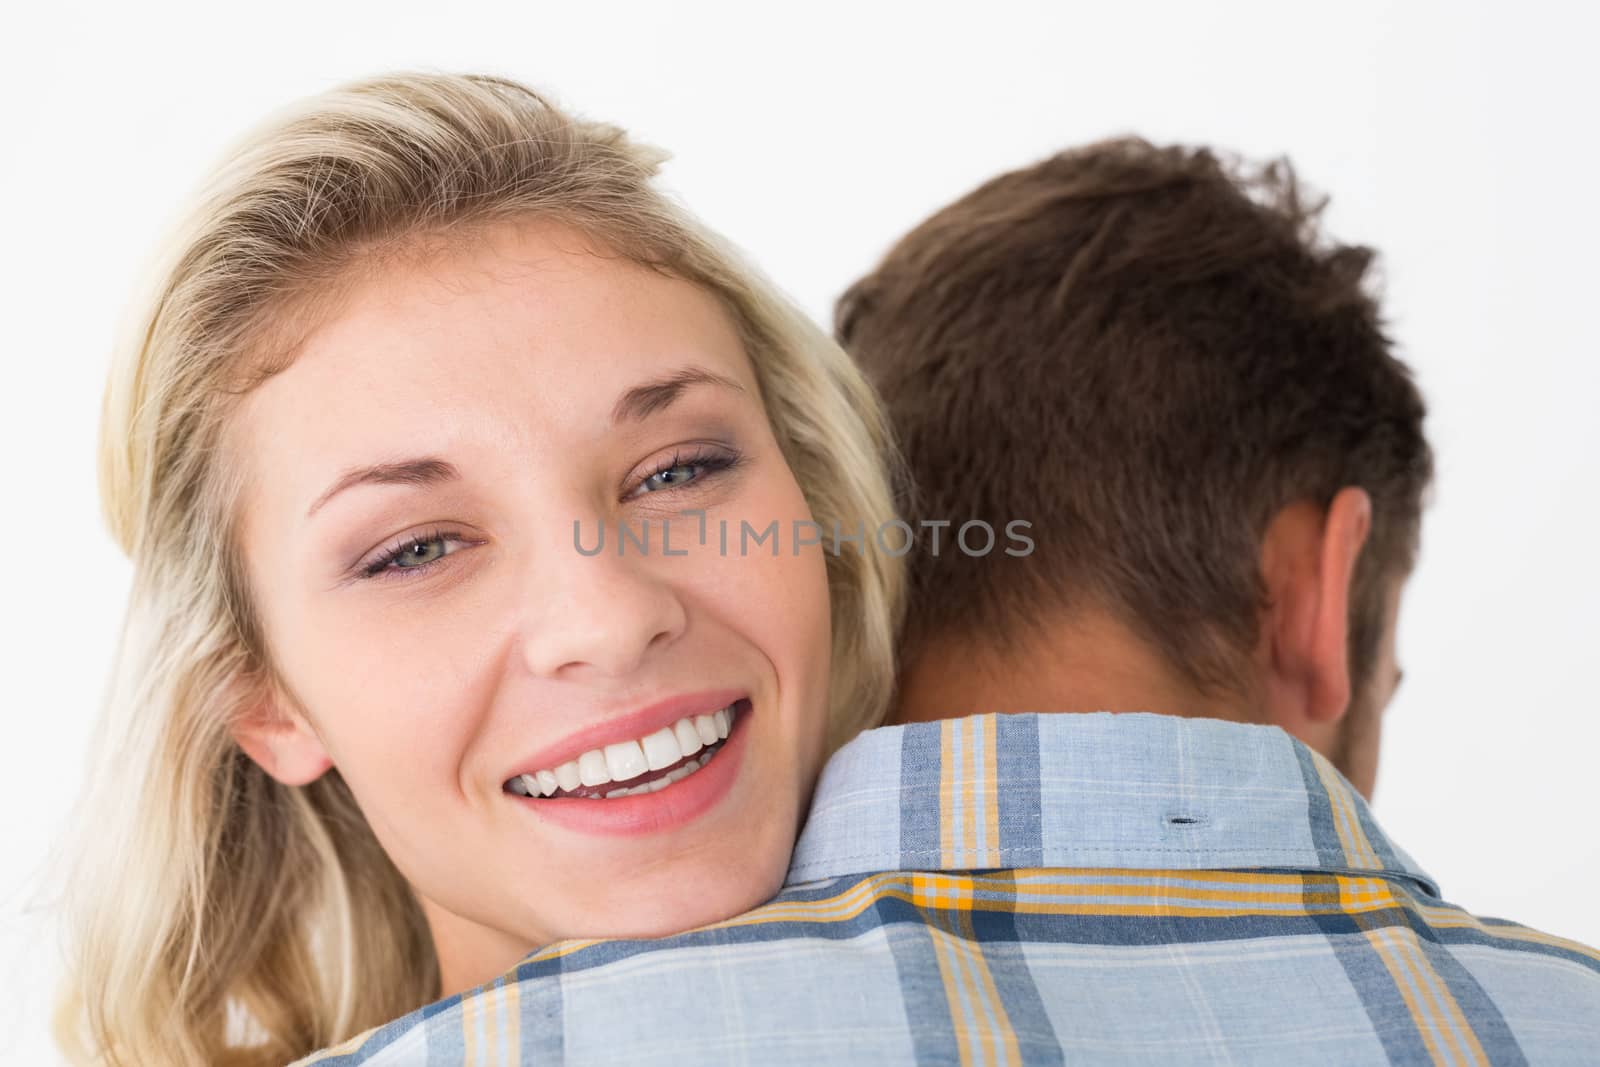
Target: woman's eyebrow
{"x":644,"y":400}
{"x":424,"y":470}
{"x":637,"y":403}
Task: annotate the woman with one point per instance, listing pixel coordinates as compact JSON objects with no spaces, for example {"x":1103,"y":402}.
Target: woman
{"x":383,"y":719}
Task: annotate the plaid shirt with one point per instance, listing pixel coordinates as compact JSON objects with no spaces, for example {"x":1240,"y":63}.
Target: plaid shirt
{"x":1040,"y":889}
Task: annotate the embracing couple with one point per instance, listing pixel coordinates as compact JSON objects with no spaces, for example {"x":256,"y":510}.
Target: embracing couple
{"x":813,"y":761}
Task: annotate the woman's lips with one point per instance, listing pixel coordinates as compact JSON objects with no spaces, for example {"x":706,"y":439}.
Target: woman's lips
{"x":648,"y":764}
{"x":588,"y":745}
{"x":682,"y":799}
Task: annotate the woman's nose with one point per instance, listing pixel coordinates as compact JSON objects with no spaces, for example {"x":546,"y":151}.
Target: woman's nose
{"x":601,"y":614}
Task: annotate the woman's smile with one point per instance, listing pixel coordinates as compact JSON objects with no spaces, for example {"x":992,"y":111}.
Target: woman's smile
{"x":657,"y":800}
{"x":642,"y":764}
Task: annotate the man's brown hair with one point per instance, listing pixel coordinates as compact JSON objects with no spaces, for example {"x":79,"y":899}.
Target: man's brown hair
{"x":1146,"y":352}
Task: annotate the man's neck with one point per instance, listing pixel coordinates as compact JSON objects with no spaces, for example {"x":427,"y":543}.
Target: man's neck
{"x":1088,"y":663}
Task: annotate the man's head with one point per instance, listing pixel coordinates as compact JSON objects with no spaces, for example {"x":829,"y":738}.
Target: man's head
{"x":1153,"y":357}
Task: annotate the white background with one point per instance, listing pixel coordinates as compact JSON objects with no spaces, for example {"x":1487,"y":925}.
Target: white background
{"x":1457,"y":138}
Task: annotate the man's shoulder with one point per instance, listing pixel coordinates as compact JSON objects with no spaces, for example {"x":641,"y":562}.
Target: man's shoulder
{"x":908,"y":966}
{"x":1508,"y":956}
{"x":1028,"y":888}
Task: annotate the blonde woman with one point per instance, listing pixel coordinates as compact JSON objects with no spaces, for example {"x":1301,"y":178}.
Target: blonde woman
{"x":383,"y":718}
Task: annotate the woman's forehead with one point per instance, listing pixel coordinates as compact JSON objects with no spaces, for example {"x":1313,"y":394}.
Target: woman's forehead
{"x":527,"y":316}
{"x":524,"y":344}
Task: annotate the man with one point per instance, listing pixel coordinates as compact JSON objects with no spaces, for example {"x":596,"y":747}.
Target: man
{"x":1155,"y":362}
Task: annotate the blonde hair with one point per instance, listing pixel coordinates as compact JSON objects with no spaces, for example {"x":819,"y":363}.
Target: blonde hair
{"x":215,"y":915}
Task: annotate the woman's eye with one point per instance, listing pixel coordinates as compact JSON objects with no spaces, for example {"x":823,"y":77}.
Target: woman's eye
{"x":680,"y":471}
{"x":415,"y":554}
{"x":666,"y":479}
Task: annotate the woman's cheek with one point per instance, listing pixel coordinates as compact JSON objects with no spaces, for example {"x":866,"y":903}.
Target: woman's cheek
{"x":782,"y":600}
{"x":385,"y":708}
{"x":752,"y":560}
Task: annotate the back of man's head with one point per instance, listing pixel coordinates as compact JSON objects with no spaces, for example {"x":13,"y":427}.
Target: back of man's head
{"x":1148,"y":354}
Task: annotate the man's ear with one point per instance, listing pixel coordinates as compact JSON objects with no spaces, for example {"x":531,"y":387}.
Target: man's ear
{"x":1308,"y":563}
{"x":277,"y":735}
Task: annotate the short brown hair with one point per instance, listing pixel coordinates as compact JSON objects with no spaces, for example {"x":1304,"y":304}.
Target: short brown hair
{"x":1146,"y":352}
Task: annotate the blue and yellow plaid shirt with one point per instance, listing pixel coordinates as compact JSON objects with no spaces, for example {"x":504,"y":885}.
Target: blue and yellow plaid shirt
{"x":1043,"y":889}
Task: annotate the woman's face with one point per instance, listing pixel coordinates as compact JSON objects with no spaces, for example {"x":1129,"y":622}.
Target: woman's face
{"x":511,"y":390}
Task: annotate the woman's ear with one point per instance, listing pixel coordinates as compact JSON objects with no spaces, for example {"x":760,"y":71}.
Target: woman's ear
{"x":279,"y":737}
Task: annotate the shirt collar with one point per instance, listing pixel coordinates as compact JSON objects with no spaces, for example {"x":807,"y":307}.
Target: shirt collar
{"x":1130,"y":790}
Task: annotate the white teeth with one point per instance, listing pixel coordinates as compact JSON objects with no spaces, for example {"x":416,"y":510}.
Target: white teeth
{"x":592,"y":768}
{"x":648,"y":787}
{"x":625,"y":760}
{"x":661,"y":749}
{"x":706,"y":727}
{"x":688,"y":737}
{"x":567,"y":776}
